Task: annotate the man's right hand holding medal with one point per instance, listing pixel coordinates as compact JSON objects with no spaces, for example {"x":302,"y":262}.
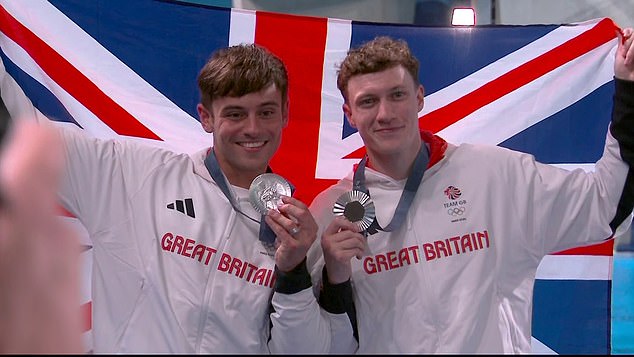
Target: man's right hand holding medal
{"x":341,"y":241}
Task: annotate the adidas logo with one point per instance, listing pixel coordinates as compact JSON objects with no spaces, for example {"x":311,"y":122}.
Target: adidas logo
{"x":185,"y":206}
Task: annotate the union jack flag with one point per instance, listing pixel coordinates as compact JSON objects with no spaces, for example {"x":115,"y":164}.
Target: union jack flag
{"x":127,"y":69}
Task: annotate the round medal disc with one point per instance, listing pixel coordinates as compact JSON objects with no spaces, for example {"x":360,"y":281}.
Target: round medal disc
{"x":357,"y":207}
{"x":266,"y":191}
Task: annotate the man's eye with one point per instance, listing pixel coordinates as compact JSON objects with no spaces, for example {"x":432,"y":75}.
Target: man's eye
{"x":267,"y":113}
{"x":366,"y":102}
{"x":234,"y":115}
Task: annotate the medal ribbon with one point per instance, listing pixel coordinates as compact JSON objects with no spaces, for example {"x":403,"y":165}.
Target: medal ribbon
{"x":411,"y":186}
{"x":266,"y":235}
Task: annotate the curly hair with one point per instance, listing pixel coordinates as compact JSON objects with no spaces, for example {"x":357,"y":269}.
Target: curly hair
{"x":381,"y":53}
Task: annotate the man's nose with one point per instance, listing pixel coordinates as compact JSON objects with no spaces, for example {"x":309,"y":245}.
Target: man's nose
{"x":384,"y":110}
{"x":252,"y":124}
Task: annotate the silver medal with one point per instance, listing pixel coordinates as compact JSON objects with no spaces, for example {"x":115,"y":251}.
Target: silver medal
{"x":266,"y":191}
{"x":357,"y":207}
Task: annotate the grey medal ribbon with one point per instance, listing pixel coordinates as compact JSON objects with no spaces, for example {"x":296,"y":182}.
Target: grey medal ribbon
{"x":409,"y":192}
{"x":266,"y":234}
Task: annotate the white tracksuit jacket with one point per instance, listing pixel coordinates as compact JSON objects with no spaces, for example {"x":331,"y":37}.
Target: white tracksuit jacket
{"x":457,"y":277}
{"x":176,"y":270}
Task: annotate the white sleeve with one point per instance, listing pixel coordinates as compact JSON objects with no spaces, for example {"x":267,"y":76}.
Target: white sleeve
{"x":301,"y":326}
{"x":569,"y":208}
{"x":342,"y":339}
{"x":102,"y":175}
{"x":298,"y":324}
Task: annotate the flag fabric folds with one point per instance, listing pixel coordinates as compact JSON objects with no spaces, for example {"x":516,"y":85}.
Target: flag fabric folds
{"x":127,"y":69}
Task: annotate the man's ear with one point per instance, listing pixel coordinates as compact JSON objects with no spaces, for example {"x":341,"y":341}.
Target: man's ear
{"x":420,"y":96}
{"x":348,"y":113}
{"x":285,"y":109}
{"x":206,"y":118}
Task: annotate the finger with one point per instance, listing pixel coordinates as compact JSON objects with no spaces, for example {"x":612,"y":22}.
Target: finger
{"x":340,"y":223}
{"x":344,"y":239}
{"x":344,"y":256}
{"x":621,"y":36}
{"x":293,"y":201}
{"x":32,"y":164}
{"x":348,"y":239}
{"x":343,"y":246}
{"x":299,"y":213}
{"x":294,"y":209}
{"x":628,"y":47}
{"x":282,"y":234}
{"x":348,"y":225}
{"x":284,"y":222}
{"x":352,"y":242}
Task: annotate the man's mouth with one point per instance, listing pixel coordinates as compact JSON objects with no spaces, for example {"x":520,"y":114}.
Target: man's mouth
{"x":387,"y":130}
{"x":252,"y":144}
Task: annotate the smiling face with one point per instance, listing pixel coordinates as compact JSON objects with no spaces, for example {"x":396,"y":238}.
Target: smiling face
{"x":244,"y":103}
{"x":247,"y":132}
{"x":383,"y":106}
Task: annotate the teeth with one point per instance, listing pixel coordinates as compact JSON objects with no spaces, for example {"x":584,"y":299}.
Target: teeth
{"x":253,"y":144}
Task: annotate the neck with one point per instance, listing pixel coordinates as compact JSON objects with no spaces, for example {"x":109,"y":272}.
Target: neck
{"x":241,"y":179}
{"x":397,"y":166}
{"x":237,"y":176}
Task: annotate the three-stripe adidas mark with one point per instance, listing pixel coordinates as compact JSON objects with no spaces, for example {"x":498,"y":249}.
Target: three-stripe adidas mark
{"x":186,"y":207}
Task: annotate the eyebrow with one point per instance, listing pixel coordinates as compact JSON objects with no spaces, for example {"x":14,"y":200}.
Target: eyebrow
{"x":391,"y":89}
{"x":273,"y":103}
{"x":234,"y":107}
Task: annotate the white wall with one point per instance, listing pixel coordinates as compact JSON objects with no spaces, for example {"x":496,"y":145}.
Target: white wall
{"x":508,"y":12}
{"x":399,"y":11}
{"x":518,"y":12}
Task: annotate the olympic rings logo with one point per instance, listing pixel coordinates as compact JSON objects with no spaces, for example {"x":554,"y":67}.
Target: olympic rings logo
{"x":456,"y":211}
